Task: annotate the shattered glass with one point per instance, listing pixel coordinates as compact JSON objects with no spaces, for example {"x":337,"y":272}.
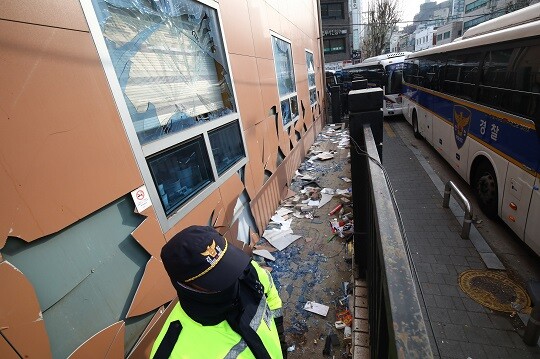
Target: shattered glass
{"x":170,"y":62}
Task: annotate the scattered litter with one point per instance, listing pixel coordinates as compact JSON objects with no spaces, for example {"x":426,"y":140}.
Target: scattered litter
{"x":328,"y":191}
{"x":309,"y":239}
{"x":280,"y":238}
{"x":283,"y":212}
{"x":324,"y":156}
{"x":264,"y":253}
{"x":339,"y":324}
{"x":325,"y":198}
{"x":291,"y":348}
{"x":337,"y":208}
{"x":265,"y":246}
{"x":313,"y":203}
{"x":342,"y":191}
{"x":346,"y":179}
{"x":316,"y":308}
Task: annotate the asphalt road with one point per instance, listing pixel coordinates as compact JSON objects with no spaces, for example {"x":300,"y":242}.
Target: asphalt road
{"x":521,"y":262}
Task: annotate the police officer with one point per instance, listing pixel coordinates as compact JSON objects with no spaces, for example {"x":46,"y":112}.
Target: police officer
{"x":228,"y":305}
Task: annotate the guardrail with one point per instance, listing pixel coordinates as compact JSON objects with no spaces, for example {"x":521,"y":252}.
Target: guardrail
{"x":467,"y":220}
{"x":396,"y":325}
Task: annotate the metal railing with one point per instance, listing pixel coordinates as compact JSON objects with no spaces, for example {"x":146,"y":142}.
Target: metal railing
{"x":396,"y":325}
{"x":467,"y":220}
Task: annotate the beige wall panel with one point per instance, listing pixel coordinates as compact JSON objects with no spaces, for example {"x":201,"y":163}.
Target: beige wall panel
{"x":230,"y":191}
{"x":237,"y":27}
{"x":201,"y":215}
{"x":149,"y":235}
{"x":6,"y":351}
{"x":232,"y":236}
{"x":287,"y":29}
{"x":154,"y":290}
{"x":266,"y":202}
{"x":20,"y":315}
{"x":254,"y":174}
{"x":284,"y":140}
{"x":66,"y":14}
{"x":107,"y":344}
{"x":260,"y":28}
{"x":248,"y":89}
{"x":56,"y":100}
{"x":274,"y":19}
{"x":143,"y":347}
{"x":271,"y":143}
{"x":292,"y":133}
{"x":268,"y":83}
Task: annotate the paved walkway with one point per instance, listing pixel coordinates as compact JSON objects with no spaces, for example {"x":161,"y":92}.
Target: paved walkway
{"x":459,"y":327}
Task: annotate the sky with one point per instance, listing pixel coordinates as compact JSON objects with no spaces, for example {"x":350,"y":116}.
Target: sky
{"x":409,"y":9}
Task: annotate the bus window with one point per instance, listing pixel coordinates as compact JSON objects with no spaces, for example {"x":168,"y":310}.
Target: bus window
{"x":496,"y":80}
{"x":410,"y":69}
{"x":462,"y":73}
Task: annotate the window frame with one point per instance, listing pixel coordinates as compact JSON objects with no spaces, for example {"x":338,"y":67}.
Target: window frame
{"x":330,"y":39}
{"x":289,"y":95}
{"x":143,"y":152}
{"x":314,"y":87}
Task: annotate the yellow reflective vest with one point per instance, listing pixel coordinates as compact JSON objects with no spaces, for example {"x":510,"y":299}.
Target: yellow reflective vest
{"x":221,"y":341}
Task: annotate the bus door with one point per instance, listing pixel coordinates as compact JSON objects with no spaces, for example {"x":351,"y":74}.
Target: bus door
{"x":518,"y":189}
{"x":532,"y":229}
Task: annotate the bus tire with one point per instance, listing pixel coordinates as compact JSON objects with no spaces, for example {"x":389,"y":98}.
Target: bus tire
{"x":415,"y":126}
{"x":486,"y":190}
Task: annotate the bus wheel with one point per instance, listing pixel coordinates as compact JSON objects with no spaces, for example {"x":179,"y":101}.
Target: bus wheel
{"x":486,"y":190}
{"x":415,"y":126}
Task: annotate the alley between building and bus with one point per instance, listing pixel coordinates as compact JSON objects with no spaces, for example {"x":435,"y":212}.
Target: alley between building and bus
{"x":449,"y":270}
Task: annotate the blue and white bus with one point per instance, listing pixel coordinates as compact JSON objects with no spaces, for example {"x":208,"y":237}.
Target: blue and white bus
{"x":383,"y":71}
{"x":477,"y":101}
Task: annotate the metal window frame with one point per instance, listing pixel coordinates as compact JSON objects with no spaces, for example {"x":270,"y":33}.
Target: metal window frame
{"x":295,"y":93}
{"x":314,"y":86}
{"x":141,"y":152}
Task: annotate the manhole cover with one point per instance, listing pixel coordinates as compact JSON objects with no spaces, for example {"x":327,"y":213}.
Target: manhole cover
{"x":494,"y":290}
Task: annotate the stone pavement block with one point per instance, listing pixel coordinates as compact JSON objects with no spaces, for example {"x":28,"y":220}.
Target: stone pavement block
{"x":361,"y":353}
{"x":360,"y":325}
{"x":480,"y":320}
{"x":449,"y":349}
{"x":361,"y":302}
{"x":361,"y":340}
{"x":454,"y":332}
{"x":473,"y":350}
{"x":495,"y":352}
{"x":439,"y":315}
{"x":459,"y":317}
{"x":360,"y":313}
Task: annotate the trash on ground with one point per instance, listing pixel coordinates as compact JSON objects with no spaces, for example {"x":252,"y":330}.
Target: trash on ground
{"x":325,"y":198}
{"x":316,"y":308}
{"x":280,"y":238}
{"x":264,"y":253}
{"x":291,"y":348}
{"x":346,"y":179}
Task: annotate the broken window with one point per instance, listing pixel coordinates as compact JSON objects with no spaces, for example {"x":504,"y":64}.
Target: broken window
{"x":167,"y":65}
{"x":311,"y":78}
{"x":170,"y":62}
{"x":283,"y":62}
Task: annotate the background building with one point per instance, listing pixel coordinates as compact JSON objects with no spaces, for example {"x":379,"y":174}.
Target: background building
{"x":336,"y":28}
{"x":449,"y":32}
{"x":124,"y":122}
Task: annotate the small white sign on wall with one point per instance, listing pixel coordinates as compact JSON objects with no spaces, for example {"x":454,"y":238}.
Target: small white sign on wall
{"x":141,"y":199}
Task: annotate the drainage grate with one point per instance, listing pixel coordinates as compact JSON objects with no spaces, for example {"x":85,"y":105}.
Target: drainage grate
{"x":494,"y":290}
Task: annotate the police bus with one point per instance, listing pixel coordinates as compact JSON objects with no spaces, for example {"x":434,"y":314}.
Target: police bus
{"x":477,"y":101}
{"x":383,"y":71}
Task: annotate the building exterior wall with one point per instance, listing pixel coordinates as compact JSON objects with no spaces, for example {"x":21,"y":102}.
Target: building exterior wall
{"x":479,"y":11}
{"x":449,"y":32}
{"x":79,"y":264}
{"x":424,"y":38}
{"x":336,"y":28}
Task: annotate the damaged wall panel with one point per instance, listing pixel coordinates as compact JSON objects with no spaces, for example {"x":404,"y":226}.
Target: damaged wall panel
{"x":72,"y":165}
{"x":85,"y":275}
{"x":107,"y":344}
{"x":92,"y":262}
{"x":248,"y":91}
{"x":20,"y":315}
